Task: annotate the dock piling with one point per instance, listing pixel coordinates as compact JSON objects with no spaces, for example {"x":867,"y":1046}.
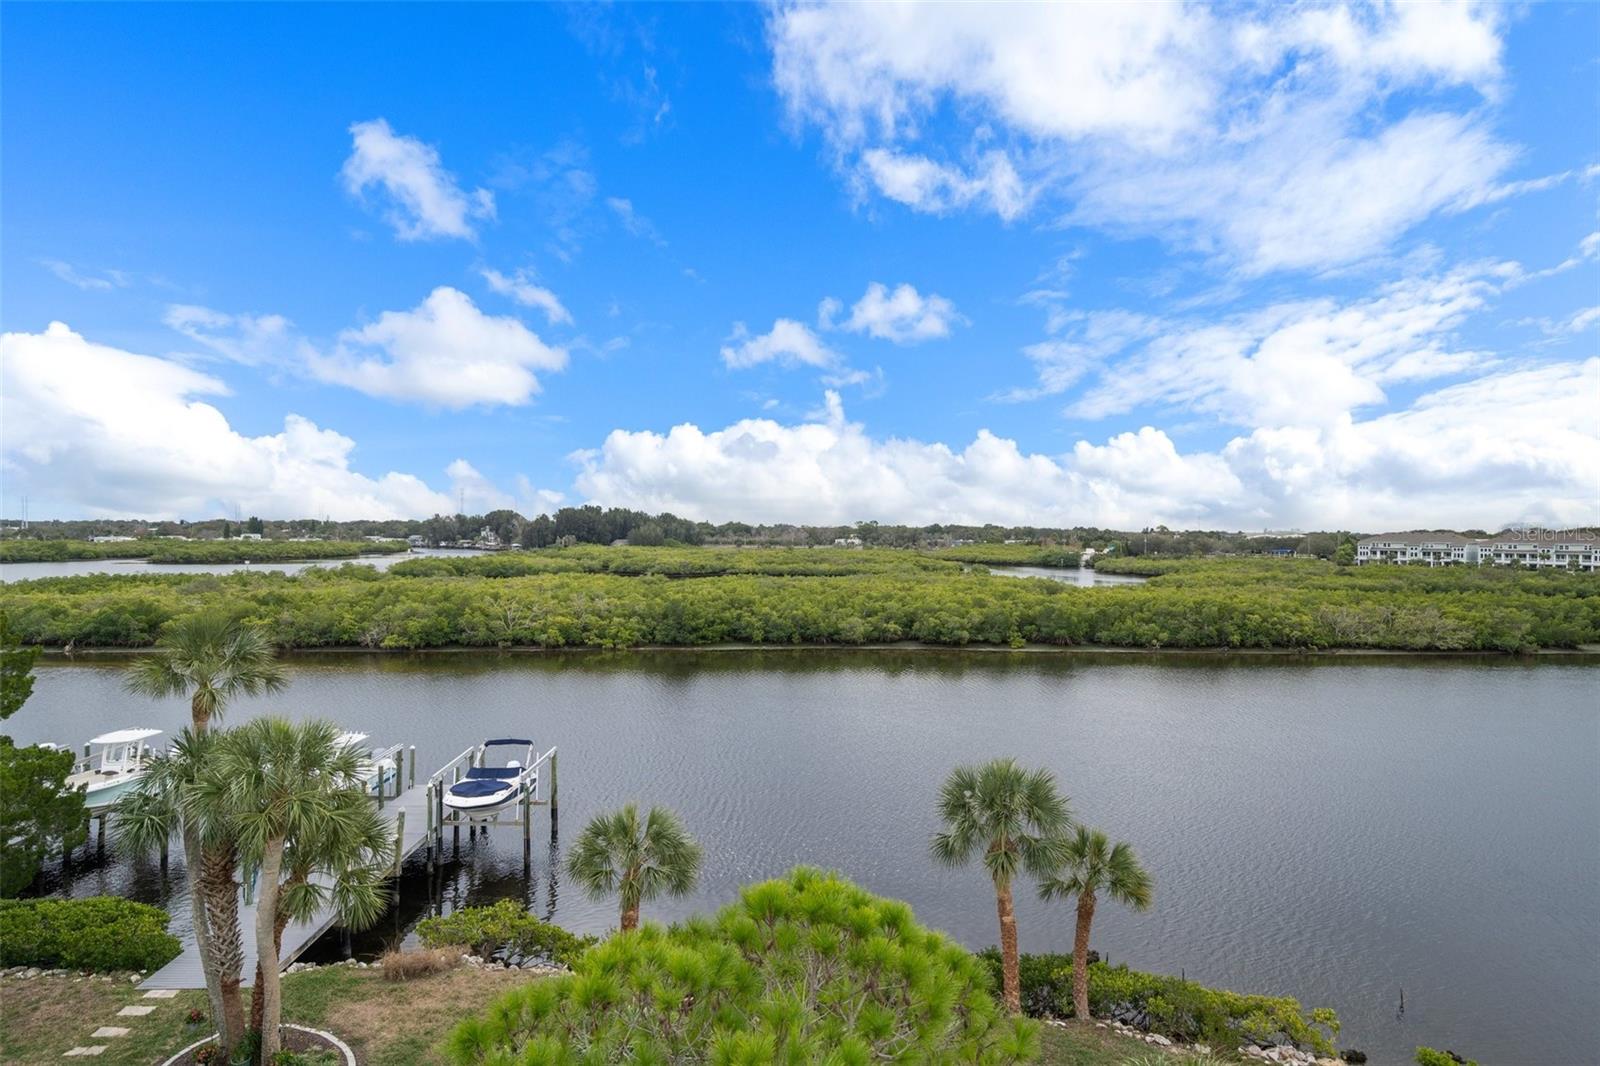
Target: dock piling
{"x":527,"y":832}
{"x":399,"y":840}
{"x":411,"y":776}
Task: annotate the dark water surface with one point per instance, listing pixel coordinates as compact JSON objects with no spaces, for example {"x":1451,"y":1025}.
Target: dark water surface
{"x":1332,"y":829}
{"x":81,"y":567}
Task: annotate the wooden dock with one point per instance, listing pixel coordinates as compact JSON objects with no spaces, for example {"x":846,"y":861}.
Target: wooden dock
{"x":417,"y":820}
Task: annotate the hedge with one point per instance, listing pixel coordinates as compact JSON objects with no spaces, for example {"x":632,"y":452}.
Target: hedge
{"x":1180,"y":1009}
{"x":505,"y":925}
{"x":100,"y":933}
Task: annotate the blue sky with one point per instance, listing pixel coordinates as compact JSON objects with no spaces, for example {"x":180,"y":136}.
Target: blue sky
{"x":1208,"y":266}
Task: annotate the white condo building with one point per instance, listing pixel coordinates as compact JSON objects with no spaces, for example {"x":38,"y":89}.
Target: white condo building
{"x":1561,"y":548}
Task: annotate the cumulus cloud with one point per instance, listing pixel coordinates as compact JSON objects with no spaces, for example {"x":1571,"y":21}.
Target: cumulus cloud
{"x":522,"y":288}
{"x":788,"y":343}
{"x":92,"y":429}
{"x":422,"y":199}
{"x":444,"y":352}
{"x":903,"y":316}
{"x":939,"y":188}
{"x":475,"y":493}
{"x":1280,"y":137}
{"x":1525,"y":440}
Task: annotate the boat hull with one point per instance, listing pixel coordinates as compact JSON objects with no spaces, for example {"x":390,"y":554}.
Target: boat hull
{"x":99,"y":796}
{"x":482,"y":804}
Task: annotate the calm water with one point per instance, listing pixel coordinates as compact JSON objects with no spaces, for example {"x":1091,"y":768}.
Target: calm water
{"x":1335,"y":830}
{"x":78,"y":567}
{"x":1082,"y":576}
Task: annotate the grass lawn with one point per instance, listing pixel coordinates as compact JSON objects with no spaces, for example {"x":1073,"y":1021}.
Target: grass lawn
{"x":386,"y":1024}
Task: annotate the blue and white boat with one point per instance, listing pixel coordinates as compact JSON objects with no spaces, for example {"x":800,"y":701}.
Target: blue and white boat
{"x":487,"y":789}
{"x":115,"y":762}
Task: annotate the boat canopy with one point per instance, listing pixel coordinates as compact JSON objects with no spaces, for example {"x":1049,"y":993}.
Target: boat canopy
{"x":510,"y":741}
{"x":345,"y":740}
{"x":125,"y":736}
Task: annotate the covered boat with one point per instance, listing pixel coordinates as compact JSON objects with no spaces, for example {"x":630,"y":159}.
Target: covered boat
{"x":115,"y":762}
{"x":487,"y":789}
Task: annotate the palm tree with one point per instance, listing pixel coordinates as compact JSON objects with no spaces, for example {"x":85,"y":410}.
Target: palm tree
{"x":211,"y":658}
{"x":1017,"y":821}
{"x":1092,"y":866}
{"x":165,"y":801}
{"x":637,"y":860}
{"x":292,"y":796}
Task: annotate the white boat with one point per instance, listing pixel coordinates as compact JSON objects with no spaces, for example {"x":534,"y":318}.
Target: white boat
{"x":378,"y":768}
{"x":488,"y":789}
{"x":114,"y":763}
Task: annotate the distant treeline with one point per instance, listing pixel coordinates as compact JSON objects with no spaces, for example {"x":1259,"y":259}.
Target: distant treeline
{"x":595,"y":525}
{"x":1242,"y":603}
{"x":157,"y":550}
{"x":1011,"y":555}
{"x":677,"y":562}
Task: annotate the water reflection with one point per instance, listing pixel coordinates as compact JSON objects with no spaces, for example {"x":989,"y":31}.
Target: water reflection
{"x":1325,"y":827}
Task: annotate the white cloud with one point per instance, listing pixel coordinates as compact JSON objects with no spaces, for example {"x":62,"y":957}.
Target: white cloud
{"x":1521,"y":445}
{"x":937,"y":188}
{"x":1282,"y":137}
{"x":522,"y":288}
{"x":903,"y":316}
{"x":424,"y":199}
{"x":92,"y":429}
{"x":474,"y":493}
{"x":1308,"y":197}
{"x":788,"y":343}
{"x":102,"y":282}
{"x":634,"y":222}
{"x":1299,"y":362}
{"x":253,"y":340}
{"x":444,"y":352}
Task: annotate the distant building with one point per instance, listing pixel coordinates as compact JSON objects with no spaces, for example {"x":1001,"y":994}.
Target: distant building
{"x":110,"y":539}
{"x":417,"y":541}
{"x":847,"y":542}
{"x":1560,"y":548}
{"x":250,"y":536}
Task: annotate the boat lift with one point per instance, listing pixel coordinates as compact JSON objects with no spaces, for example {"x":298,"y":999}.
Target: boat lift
{"x":536,"y":789}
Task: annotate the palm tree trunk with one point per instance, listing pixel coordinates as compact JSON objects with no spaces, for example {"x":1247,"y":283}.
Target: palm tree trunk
{"x":630,"y":916}
{"x":267,"y":979}
{"x":257,"y":1005}
{"x":227,"y":945}
{"x":1011,"y":980}
{"x":192,"y":877}
{"x":1080,"y":957}
{"x":226,"y":1014}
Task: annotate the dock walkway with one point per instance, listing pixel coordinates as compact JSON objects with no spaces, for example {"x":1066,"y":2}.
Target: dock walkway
{"x":416,"y":817}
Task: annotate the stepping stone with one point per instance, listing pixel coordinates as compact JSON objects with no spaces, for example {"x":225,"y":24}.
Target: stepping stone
{"x":99,"y":1049}
{"x":109,"y":1030}
{"x":161,"y":993}
{"x":134,"y":1012}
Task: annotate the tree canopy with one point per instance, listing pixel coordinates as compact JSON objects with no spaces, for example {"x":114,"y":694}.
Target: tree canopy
{"x":802,"y":970}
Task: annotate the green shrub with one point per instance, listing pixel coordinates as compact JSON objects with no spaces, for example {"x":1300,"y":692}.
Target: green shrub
{"x":1427,"y":1056}
{"x":505,"y":925}
{"x":101,"y":933}
{"x":1177,"y":1008}
{"x":801,"y":970}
